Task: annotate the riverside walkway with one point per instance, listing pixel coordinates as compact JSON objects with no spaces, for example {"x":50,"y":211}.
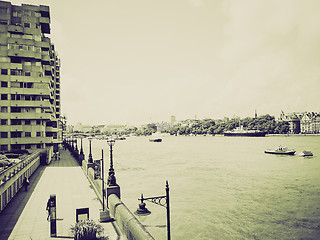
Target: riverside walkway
{"x":25,"y":217}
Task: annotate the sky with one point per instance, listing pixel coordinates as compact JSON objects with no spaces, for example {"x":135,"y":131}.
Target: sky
{"x":136,"y":62}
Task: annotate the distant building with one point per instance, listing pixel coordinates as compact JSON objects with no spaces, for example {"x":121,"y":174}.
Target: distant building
{"x":310,"y":123}
{"x":293,"y":119}
{"x":30,"y":79}
{"x":188,"y":122}
{"x":163,"y":126}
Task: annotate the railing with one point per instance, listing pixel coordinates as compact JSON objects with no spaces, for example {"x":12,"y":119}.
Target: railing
{"x":125,"y":221}
{"x":11,"y":178}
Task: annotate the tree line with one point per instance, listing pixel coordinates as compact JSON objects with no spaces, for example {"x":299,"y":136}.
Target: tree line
{"x":265,"y":123}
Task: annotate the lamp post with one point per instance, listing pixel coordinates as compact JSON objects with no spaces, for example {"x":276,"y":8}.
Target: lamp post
{"x":111,"y":178}
{"x":72,"y":141}
{"x":81,"y":149}
{"x":90,"y":159}
{"x":76,"y":141}
{"x":142,"y":210}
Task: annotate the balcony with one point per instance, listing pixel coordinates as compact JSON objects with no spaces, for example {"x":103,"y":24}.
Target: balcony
{"x":18,"y":128}
{"x":44,"y":104}
{"x":33,"y":115}
{"x":31,"y":140}
{"x":31,"y":91}
{"x":15,"y":29}
{"x":20,"y":53}
{"x":4,"y":115}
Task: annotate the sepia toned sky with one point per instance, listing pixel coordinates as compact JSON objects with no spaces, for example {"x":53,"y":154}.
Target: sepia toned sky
{"x":141,"y":61}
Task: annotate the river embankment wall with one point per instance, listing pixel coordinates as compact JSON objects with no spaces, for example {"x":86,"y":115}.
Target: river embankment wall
{"x":11,"y":178}
{"x":125,"y":223}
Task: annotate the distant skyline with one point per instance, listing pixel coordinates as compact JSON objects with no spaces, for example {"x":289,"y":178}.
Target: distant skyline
{"x":135,"y":62}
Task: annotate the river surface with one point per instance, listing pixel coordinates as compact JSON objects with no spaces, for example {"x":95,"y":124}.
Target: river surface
{"x":221,"y":187}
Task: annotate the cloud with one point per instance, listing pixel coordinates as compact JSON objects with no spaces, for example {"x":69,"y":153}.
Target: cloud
{"x":196,"y":3}
{"x":272,"y":50}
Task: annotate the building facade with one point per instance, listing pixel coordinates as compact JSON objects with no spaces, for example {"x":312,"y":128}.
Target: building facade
{"x":30,"y":113}
{"x":294,"y":121}
{"x":305,"y":123}
{"x":310,"y":123}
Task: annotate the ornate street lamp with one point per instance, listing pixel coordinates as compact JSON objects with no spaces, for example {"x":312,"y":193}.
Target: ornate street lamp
{"x":111,"y":178}
{"x":143,"y":211}
{"x":72,"y":141}
{"x":90,"y":159}
{"x":76,"y":141}
{"x":81,"y":149}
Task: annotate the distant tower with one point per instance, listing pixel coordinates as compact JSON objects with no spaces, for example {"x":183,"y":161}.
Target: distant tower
{"x":255,"y":113}
{"x":173,"y":120}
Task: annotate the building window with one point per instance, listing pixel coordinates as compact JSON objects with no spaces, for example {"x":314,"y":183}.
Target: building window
{"x":27,"y":134}
{"x":38,"y":134}
{"x":3,"y":10}
{"x":15,"y":122}
{"x":4,"y":71}
{"x":27,"y":73}
{"x":4,"y":109}
{"x":4,"y":135}
{"x":4,"y":121}
{"x":3,"y":147}
{"x":38,"y":122}
{"x":27,"y":25}
{"x":3,"y":22}
{"x":16,"y":72}
{"x":15,"y":97}
{"x":4,"y":96}
{"x":28,"y":85}
{"x":39,"y":145}
{"x":16,"y":14}
{"x":4,"y":84}
{"x":27,"y":122}
{"x":15,"y":134}
{"x":28,"y":146}
{"x":16,"y":109}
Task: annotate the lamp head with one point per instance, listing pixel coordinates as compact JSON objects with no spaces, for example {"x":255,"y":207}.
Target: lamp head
{"x":142,"y":210}
{"x":111,"y":142}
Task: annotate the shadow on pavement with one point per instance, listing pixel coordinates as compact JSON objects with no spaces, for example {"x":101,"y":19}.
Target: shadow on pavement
{"x":10,"y":215}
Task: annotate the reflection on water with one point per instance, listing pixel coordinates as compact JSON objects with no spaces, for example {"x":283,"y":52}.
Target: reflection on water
{"x":221,"y":187}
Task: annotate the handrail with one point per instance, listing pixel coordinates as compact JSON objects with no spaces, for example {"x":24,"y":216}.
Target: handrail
{"x":9,"y":172}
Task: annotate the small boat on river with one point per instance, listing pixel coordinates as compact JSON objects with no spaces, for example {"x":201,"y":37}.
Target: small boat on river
{"x":155,"y":140}
{"x":281,"y":151}
{"x":306,"y":154}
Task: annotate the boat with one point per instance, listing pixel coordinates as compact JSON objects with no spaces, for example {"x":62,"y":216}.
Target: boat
{"x":120,"y":138}
{"x":240,"y":132}
{"x":306,"y":154}
{"x":281,"y":151}
{"x":155,"y":140}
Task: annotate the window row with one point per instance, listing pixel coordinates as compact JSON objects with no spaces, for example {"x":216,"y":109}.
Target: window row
{"x":20,"y":122}
{"x":26,"y":36}
{"x":24,"y":47}
{"x":16,"y":134}
{"x":19,"y":72}
{"x":21,"y":97}
{"x":20,"y":146}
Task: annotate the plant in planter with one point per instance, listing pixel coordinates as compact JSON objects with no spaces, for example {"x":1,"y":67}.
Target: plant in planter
{"x":86,"y":230}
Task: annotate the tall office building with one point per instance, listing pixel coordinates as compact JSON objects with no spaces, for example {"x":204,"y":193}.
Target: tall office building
{"x":30,"y":79}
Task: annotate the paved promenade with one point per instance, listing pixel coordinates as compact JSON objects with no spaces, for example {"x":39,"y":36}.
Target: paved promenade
{"x":25,"y":217}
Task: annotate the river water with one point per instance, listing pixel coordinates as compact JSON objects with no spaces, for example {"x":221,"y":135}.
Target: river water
{"x":221,"y":187}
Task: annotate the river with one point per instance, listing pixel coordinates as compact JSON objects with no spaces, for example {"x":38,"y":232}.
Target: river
{"x":221,"y":187}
